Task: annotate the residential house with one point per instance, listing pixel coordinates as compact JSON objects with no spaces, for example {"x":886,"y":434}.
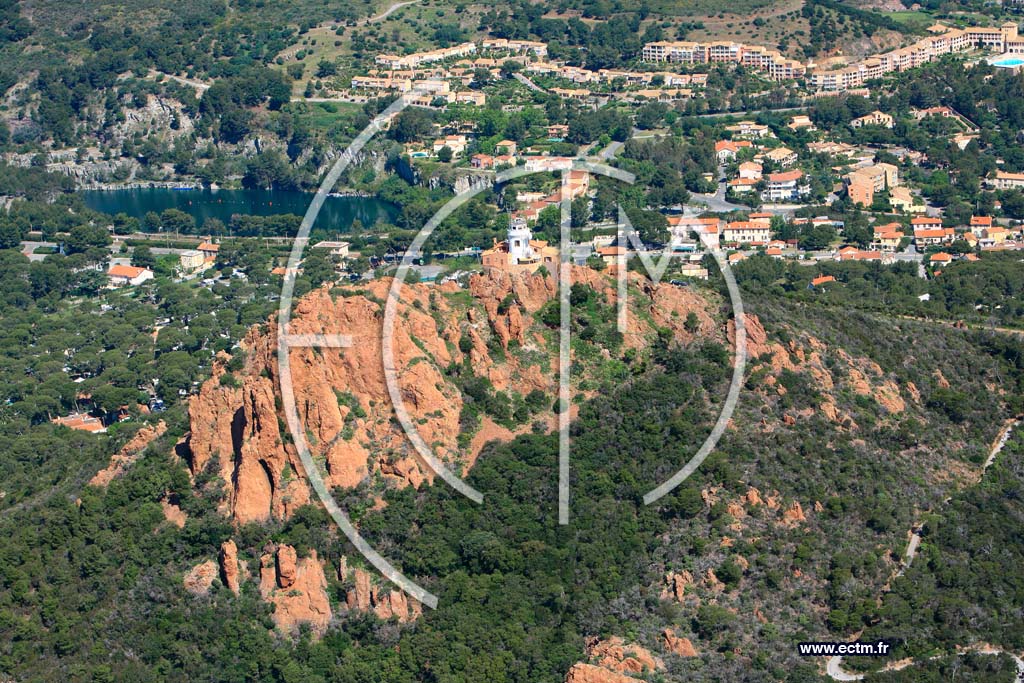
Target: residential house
{"x":707,"y":230}
{"x":558,"y":131}
{"x":337,"y":249}
{"x":979,"y":224}
{"x":209,"y":250}
{"x":456,"y":143}
{"x":993,"y":236}
{"x":505,"y":147}
{"x":81,"y":422}
{"x":750,"y":170}
{"x":119,"y":275}
{"x":855,"y":254}
{"x":940,"y":258}
{"x":471,"y":97}
{"x":726,"y":150}
{"x":875,"y":118}
{"x":613,"y":257}
{"x":888,"y":237}
{"x":743,"y":185}
{"x":191,"y":259}
{"x":929,"y":230}
{"x":821,"y":280}
{"x":801,"y":122}
{"x":749,"y":129}
{"x":901,"y":199}
{"x":482,"y":161}
{"x":783,"y":156}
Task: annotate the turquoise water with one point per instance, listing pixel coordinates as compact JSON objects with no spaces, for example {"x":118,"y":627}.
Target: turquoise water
{"x":337,"y":213}
{"x":1007,"y":62}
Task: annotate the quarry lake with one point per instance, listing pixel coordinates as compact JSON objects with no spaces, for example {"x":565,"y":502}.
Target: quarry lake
{"x":337,"y":212}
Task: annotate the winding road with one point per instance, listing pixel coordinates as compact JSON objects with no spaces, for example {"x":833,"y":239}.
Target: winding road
{"x":390,"y":10}
{"x":834,"y":665}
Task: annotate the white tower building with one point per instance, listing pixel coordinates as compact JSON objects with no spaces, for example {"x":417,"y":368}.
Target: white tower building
{"x":519,"y":236}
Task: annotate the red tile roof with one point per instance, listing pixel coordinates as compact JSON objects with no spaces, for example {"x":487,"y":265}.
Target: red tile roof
{"x":130,"y":272}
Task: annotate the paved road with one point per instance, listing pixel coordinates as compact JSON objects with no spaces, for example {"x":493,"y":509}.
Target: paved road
{"x":527,"y":82}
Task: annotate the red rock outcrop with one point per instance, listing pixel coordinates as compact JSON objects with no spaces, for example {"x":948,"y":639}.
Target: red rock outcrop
{"x":365,"y":596}
{"x":229,"y":571}
{"x":297,"y":589}
{"x":587,"y":673}
{"x":794,"y":514}
{"x":341,"y":397}
{"x":173,"y":513}
{"x":678,"y":646}
{"x":615,"y":655}
{"x":712,"y":583}
{"x":675,"y":585}
{"x":199,"y":579}
{"x":753,"y":497}
{"x":124,"y":458}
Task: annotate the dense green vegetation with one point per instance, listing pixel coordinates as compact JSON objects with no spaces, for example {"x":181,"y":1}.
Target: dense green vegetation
{"x":519,"y":593}
{"x":986,"y":291}
{"x":964,"y":588}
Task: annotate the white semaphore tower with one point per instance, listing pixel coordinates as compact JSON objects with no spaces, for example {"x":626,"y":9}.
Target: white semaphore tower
{"x":519,"y":236}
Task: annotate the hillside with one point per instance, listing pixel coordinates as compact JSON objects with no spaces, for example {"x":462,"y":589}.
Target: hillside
{"x":194,"y":558}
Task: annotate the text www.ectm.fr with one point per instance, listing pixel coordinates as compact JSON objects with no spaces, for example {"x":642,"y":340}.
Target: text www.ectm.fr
{"x":828,"y":649}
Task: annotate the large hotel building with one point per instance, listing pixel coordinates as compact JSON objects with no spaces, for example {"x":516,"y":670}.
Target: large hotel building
{"x":770,"y":61}
{"x":780,"y":68}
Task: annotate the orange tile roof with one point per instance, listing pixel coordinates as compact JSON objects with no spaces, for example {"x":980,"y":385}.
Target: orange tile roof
{"x":941,"y":257}
{"x":981,"y":221}
{"x":822,"y":279}
{"x":786,"y":177}
{"x":130,"y":272}
{"x":925,"y":221}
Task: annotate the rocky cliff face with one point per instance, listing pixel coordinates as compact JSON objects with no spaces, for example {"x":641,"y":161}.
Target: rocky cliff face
{"x":297,"y":589}
{"x":124,"y":458}
{"x":342,"y":398}
{"x":238,"y":430}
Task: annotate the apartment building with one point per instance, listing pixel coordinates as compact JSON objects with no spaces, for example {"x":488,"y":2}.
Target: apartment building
{"x":746,"y":232}
{"x":785,"y":187}
{"x":416,"y":59}
{"x":948,"y":40}
{"x":520,"y":46}
{"x":1007,"y":181}
{"x":764,"y":59}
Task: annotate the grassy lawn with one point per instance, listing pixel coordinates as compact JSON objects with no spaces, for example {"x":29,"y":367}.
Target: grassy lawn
{"x":916,"y":20}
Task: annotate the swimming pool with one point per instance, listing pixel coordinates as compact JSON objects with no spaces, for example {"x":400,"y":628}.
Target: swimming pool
{"x":1009,"y":62}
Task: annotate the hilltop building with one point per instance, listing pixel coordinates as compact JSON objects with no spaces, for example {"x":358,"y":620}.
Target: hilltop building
{"x":520,"y":253}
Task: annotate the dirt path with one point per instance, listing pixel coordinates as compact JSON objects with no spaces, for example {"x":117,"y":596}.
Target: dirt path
{"x":834,"y":665}
{"x":390,"y":10}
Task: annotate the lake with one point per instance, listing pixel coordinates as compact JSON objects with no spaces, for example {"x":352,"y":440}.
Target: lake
{"x":337,"y":213}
